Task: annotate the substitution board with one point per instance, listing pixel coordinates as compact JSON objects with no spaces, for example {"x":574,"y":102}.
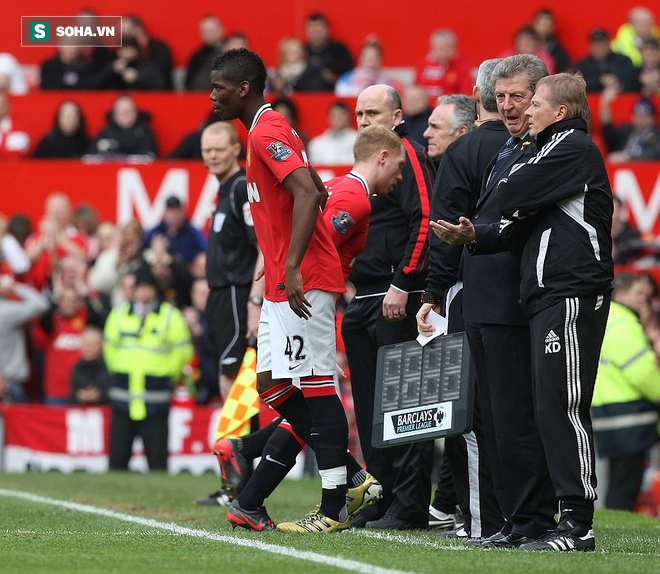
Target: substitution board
{"x":423,"y":392}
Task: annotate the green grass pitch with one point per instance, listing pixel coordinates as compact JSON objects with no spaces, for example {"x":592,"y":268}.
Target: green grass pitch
{"x":123,"y":522}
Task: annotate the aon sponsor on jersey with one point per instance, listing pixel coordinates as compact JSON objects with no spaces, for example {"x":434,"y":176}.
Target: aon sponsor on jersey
{"x":253,"y":193}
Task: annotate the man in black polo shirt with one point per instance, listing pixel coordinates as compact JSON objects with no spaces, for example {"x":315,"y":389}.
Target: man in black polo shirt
{"x":232,"y":257}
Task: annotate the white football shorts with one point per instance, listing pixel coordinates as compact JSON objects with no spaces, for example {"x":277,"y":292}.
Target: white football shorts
{"x":290,"y":346}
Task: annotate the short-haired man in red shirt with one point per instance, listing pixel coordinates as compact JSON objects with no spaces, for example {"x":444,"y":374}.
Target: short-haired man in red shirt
{"x":302,"y":271}
{"x":379,"y":158}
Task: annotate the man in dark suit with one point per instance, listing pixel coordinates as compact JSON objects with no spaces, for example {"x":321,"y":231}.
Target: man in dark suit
{"x":497,"y":330}
{"x":455,"y":193}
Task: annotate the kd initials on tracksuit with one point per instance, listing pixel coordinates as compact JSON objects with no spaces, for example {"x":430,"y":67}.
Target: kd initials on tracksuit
{"x":552,"y":344}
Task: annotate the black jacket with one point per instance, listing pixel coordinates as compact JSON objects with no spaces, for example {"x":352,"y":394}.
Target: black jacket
{"x":90,"y":373}
{"x":56,"y":144}
{"x":83,"y":74}
{"x":199,"y":66}
{"x":115,"y":141}
{"x":618,"y":64}
{"x":491,"y":274}
{"x":455,"y":193}
{"x":565,"y":194}
{"x":231,"y":254}
{"x":333,"y":56}
{"x":397,"y":240}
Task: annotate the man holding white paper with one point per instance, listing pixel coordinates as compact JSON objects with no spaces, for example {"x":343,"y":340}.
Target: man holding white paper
{"x":455,"y":194}
{"x":498,"y":331}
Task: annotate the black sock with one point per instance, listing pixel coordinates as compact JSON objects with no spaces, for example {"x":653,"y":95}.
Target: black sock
{"x":279,"y":457}
{"x":330,"y":431}
{"x":253,"y":444}
{"x":333,"y":501}
{"x":330,"y":442}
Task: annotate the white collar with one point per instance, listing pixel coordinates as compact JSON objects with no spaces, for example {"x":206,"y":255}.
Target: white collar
{"x":259,"y":113}
{"x":356,"y":175}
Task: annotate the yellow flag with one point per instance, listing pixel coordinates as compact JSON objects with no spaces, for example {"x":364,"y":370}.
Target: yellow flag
{"x":242,"y":402}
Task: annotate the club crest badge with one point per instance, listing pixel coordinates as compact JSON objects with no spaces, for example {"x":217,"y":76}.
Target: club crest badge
{"x":279,"y":151}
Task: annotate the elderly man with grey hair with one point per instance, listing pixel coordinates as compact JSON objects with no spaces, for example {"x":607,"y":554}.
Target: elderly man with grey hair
{"x":452,"y":117}
{"x":497,"y":329}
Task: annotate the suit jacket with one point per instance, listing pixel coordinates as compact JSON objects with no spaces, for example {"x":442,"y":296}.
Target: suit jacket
{"x":456,"y":191}
{"x":491,"y":275}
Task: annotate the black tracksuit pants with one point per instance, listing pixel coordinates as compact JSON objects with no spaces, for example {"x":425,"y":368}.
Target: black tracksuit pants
{"x":566,"y":342}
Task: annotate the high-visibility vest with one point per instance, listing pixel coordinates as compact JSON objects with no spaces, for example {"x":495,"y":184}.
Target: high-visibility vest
{"x":625,"y":43}
{"x":625,"y":420}
{"x":145,"y":358}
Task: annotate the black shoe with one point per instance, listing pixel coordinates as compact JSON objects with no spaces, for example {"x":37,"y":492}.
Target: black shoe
{"x":485,"y":541}
{"x":360,"y":522}
{"x":439,"y":520}
{"x":367,"y":514}
{"x":512,"y":540}
{"x":456,"y":533}
{"x":388,"y":522}
{"x":567,"y":537}
{"x":219,"y":498}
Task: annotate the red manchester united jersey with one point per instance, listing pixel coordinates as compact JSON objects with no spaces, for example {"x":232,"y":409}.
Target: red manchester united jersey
{"x":346,"y":215}
{"x":274,"y":150}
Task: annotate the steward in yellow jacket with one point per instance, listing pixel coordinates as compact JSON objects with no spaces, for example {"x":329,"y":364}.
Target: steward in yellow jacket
{"x":146,"y":345}
{"x":625,"y":403}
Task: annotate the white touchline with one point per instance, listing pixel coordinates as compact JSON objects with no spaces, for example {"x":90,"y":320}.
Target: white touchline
{"x":350,"y":565}
{"x":407,"y":540}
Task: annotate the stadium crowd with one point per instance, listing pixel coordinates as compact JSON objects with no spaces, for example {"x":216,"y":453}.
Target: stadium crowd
{"x":626,"y":60}
{"x":68,"y":280}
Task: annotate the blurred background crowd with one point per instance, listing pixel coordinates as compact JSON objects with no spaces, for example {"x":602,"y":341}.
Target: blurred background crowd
{"x":625,"y":60}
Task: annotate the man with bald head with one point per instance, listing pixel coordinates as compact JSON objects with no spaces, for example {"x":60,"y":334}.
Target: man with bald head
{"x":389,"y":276}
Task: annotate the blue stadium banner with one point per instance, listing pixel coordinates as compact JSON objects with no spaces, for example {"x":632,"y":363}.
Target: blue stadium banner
{"x":81,"y":31}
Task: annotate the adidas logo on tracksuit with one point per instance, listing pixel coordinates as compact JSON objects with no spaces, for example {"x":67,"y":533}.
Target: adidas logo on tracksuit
{"x":552,"y":344}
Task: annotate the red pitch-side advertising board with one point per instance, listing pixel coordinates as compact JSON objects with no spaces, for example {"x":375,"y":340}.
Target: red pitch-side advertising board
{"x":122,"y":191}
{"x":75,"y":438}
{"x":67,"y":439}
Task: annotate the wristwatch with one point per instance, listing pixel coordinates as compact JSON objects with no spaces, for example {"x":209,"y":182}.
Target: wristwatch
{"x":256,"y":300}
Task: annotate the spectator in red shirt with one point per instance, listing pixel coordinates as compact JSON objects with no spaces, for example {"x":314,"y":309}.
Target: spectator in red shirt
{"x":63,"y":326}
{"x":443,"y":70}
{"x":56,"y":238}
